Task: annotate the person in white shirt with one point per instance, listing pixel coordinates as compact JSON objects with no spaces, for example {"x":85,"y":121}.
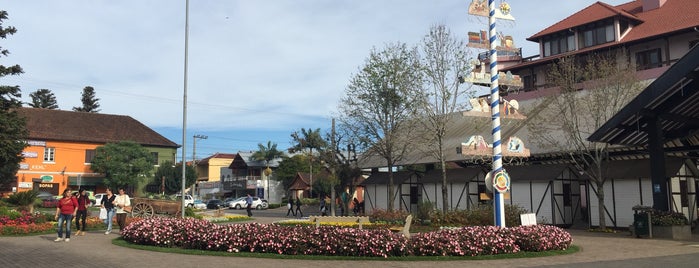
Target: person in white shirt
{"x":123,"y":206}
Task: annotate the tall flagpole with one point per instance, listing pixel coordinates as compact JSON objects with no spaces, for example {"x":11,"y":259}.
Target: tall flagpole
{"x":498,"y":204}
{"x":184,"y":105}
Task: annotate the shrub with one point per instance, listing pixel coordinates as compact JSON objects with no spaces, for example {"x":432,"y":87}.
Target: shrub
{"x":478,"y":216}
{"x":388,"y":217}
{"x":668,"y":218}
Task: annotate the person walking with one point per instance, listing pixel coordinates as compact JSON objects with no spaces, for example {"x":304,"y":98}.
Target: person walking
{"x":108,"y":204}
{"x":248,"y":205}
{"x":322,"y":206}
{"x":65,"y":211}
{"x":123,"y":204}
{"x":81,"y":217}
{"x":290,"y":206}
{"x":298,"y":207}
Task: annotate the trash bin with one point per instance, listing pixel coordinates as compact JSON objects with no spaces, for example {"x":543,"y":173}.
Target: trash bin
{"x":641,"y":221}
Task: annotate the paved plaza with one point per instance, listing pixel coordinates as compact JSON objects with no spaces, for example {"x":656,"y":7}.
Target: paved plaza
{"x":96,"y":250}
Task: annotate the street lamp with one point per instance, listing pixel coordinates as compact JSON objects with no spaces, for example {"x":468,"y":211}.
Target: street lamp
{"x":194,"y":152}
{"x":184,"y":104}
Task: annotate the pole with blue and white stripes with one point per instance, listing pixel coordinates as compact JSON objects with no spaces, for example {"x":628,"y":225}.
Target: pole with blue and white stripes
{"x":498,"y":204}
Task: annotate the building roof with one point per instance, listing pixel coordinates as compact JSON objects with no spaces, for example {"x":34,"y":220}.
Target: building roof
{"x":205,"y":161}
{"x":595,"y":12}
{"x":60,"y":125}
{"x":243,"y":160}
{"x":674,"y":16}
{"x":673,"y":98}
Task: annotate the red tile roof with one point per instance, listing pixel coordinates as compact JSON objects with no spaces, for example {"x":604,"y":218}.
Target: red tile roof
{"x":674,"y":16}
{"x":595,"y":12}
{"x":60,"y":125}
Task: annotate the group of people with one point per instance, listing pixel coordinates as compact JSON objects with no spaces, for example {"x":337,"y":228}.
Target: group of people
{"x":76,"y":206}
{"x":290,"y":206}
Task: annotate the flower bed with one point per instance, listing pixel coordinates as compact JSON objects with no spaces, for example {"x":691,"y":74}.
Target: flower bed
{"x":305,"y":240}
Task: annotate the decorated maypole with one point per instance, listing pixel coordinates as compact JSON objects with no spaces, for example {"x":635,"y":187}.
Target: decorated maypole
{"x":498,"y":199}
{"x":497,"y":181}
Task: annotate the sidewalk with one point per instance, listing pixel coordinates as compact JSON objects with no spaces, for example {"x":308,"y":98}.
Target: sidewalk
{"x":96,"y":249}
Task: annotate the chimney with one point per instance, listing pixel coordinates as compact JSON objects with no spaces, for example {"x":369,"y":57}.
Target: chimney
{"x":652,"y":4}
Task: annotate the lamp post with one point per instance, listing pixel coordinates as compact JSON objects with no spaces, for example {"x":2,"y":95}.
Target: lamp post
{"x":194,"y":152}
{"x":184,"y":104}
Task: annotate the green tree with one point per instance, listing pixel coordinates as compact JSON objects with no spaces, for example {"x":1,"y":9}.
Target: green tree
{"x":13,"y":131}
{"x":89,"y":100}
{"x":444,"y":60}
{"x":379,"y":106}
{"x":124,"y":163}
{"x":308,"y":140}
{"x":173,"y":176}
{"x":267,"y":153}
{"x":43,"y":98}
{"x":289,"y":167}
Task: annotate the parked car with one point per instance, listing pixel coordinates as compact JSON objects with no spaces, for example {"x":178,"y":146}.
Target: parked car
{"x":98,"y":199}
{"x":188,"y":199}
{"x":198,"y":204}
{"x":239,"y":203}
{"x":215,"y":204}
{"x":228,"y":201}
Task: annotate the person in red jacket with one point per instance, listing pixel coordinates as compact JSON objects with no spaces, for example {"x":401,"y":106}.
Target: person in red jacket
{"x":65,"y":211}
{"x":83,"y":204}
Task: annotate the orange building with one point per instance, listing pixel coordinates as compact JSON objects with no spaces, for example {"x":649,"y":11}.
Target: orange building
{"x":61,"y":145}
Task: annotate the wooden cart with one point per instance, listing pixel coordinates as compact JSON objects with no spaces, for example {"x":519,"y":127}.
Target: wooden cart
{"x":146,"y":207}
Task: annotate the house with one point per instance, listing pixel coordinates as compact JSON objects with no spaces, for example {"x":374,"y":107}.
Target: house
{"x":655,"y":35}
{"x":248,"y":176}
{"x":301,"y":187}
{"x":209,"y":173}
{"x":62,"y":145}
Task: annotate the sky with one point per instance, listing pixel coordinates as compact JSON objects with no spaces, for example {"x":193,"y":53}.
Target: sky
{"x":257,"y":71}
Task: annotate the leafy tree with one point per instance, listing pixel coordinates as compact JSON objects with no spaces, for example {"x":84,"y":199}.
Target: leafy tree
{"x":173,"y":176}
{"x":308,"y":140}
{"x":444,"y":60}
{"x":13,"y":132}
{"x":289,"y":167}
{"x":568,"y":118}
{"x":378,"y":106}
{"x":267,"y":153}
{"x":43,"y":98}
{"x":124,"y":163}
{"x":89,"y":100}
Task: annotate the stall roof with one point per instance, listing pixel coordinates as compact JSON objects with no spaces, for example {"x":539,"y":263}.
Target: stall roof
{"x":673,"y":98}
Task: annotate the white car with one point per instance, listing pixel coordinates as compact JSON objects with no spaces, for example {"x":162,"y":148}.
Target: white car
{"x":239,"y":203}
{"x":188,"y":200}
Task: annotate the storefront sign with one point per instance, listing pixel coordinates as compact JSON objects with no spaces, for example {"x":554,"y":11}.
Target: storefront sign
{"x":36,"y":143}
{"x":30,"y":154}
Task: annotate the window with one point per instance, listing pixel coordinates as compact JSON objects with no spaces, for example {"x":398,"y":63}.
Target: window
{"x":648,"y":59}
{"x":49,"y":154}
{"x":154,"y":156}
{"x":529,"y":82}
{"x":559,"y":44}
{"x":89,"y":156}
{"x":599,"y":34}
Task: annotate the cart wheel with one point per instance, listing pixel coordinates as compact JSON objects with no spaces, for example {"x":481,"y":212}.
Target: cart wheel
{"x":142,"y":210}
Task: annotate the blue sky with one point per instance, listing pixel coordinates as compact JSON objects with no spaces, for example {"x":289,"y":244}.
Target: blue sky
{"x":258,"y":70}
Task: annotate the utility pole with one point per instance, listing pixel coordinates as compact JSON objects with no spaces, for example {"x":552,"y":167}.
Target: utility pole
{"x":194,"y":153}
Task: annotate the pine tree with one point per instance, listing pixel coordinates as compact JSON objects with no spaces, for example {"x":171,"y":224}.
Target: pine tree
{"x":43,"y":98}
{"x":90,"y":102}
{"x":13,"y":132}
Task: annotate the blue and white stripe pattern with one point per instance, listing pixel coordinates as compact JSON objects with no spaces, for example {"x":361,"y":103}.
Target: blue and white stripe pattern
{"x":499,"y":206}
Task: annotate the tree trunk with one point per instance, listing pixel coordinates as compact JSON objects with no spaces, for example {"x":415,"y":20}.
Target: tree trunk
{"x":600,"y":202}
{"x":390,"y":187}
{"x":445,"y":196}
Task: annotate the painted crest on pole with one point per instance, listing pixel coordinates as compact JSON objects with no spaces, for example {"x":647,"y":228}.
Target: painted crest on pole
{"x":501,"y":181}
{"x":480,"y":8}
